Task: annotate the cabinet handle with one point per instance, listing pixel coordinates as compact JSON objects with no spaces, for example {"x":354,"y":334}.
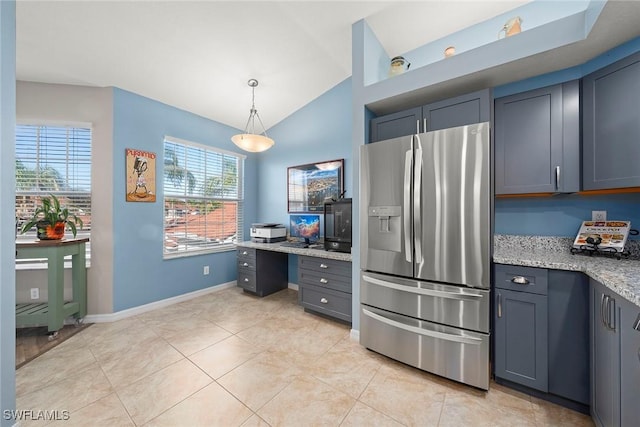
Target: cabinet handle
{"x":323,"y":280}
{"x":324,"y":266}
{"x":246,"y":279}
{"x":611,"y":313}
{"x":324,"y":300}
{"x":557,"y":177}
{"x":499,"y":305}
{"x":636,"y":324}
{"x":520,"y":280}
{"x":602,"y":304}
{"x":424,"y":124}
{"x":245,"y":253}
{"x":245,"y":264}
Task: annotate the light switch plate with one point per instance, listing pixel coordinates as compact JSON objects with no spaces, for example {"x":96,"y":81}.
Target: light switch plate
{"x":598,"y":215}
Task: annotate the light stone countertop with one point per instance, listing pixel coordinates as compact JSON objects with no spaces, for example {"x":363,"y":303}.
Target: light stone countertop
{"x":621,"y":276}
{"x":315,"y":252}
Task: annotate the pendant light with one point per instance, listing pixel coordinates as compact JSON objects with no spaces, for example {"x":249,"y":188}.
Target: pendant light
{"x":250,"y":140}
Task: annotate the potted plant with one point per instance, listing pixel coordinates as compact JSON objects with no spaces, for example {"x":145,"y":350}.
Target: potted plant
{"x":51,"y":219}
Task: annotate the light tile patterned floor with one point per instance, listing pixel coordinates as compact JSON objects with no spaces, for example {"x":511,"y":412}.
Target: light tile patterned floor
{"x":231,"y":359}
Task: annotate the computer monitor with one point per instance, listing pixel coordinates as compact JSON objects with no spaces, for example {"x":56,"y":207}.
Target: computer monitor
{"x":305,"y":227}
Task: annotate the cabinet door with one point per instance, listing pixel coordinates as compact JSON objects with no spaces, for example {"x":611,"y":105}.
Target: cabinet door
{"x":605,"y":374}
{"x":568,"y":305}
{"x":395,"y":125}
{"x":459,"y":111}
{"x":629,"y":363}
{"x":521,"y":338}
{"x":528,"y":141}
{"x":611,"y":125}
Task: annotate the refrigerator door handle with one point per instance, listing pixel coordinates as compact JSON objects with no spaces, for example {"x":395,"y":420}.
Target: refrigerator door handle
{"x":421,"y":331}
{"x":421,"y":291}
{"x":417,"y":194}
{"x":408,"y":160}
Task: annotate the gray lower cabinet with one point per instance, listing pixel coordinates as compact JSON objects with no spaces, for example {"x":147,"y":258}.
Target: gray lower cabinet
{"x":615,"y":373}
{"x":537,"y":141}
{"x":325,"y":286}
{"x":458,"y":111}
{"x":611,"y":101}
{"x":262,"y":272}
{"x":605,"y":357}
{"x":520,"y":328}
{"x":541,"y":333}
{"x":629,"y":363}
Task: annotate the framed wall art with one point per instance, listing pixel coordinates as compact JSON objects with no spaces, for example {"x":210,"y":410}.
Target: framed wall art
{"x":309,"y":185}
{"x":141,"y":175}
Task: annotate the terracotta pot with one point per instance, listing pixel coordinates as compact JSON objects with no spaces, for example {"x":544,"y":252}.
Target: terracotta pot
{"x":46,"y":231}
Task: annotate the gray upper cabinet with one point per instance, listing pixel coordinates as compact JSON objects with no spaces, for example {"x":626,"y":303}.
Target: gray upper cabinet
{"x":537,"y":141}
{"x":459,"y":111}
{"x":394,"y":125}
{"x":629,"y":363}
{"x":611,"y":126}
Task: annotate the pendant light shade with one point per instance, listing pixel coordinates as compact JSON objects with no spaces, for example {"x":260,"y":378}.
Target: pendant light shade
{"x":250,"y":140}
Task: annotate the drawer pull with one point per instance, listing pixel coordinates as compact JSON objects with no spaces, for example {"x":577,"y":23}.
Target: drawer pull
{"x":520,"y":280}
{"x":245,"y":253}
{"x":324,"y":266}
{"x":245,"y":264}
{"x":246,"y":279}
{"x":323,"y":280}
{"x":324,"y":300}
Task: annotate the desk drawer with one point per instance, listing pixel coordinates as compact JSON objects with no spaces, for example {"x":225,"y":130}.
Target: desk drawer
{"x":247,"y":279}
{"x":247,"y":264}
{"x":325,"y":280}
{"x":324,"y":265}
{"x":521,"y":279}
{"x":246,"y":254}
{"x":327,"y":301}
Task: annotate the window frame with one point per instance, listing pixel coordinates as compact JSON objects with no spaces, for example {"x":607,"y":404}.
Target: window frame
{"x":239,"y":200}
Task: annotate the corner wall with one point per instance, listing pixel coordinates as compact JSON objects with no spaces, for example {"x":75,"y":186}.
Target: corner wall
{"x":57,"y":104}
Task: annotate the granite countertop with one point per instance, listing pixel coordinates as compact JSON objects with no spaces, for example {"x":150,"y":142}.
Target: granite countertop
{"x":318,"y":252}
{"x":621,"y":276}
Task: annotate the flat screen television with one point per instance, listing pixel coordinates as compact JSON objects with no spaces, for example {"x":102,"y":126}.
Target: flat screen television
{"x":337,"y":225}
{"x":305,"y":227}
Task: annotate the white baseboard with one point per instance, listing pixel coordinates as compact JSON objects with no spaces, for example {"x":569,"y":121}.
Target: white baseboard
{"x":113,"y":317}
{"x":294,"y":286}
{"x":355,"y":335}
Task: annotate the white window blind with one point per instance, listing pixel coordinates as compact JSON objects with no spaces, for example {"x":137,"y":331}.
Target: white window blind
{"x":203,"y":198}
{"x":53,"y":160}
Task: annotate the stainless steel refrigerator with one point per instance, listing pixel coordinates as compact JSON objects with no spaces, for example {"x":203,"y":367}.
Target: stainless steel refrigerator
{"x":425,"y":251}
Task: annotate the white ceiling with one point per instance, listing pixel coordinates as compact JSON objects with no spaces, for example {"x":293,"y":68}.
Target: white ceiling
{"x":198,"y":55}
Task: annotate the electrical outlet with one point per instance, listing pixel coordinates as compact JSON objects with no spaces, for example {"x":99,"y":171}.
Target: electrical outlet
{"x":205,"y":270}
{"x":598,"y":215}
{"x":35,"y":293}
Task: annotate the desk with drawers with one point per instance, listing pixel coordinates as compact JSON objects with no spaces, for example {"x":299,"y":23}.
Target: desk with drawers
{"x":324,"y":277}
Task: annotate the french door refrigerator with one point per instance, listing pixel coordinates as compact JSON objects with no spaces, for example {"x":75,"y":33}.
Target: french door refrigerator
{"x":425,"y":251}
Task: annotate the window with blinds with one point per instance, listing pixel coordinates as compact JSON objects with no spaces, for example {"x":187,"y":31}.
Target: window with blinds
{"x":53,"y":160}
{"x":203,"y":198}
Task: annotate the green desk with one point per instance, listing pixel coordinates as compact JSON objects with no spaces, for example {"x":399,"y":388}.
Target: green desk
{"x":55,"y":310}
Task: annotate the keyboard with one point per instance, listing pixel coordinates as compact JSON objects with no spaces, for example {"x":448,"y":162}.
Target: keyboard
{"x":294,"y":245}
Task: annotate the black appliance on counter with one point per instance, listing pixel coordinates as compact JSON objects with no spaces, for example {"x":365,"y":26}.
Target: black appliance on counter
{"x":337,"y":225}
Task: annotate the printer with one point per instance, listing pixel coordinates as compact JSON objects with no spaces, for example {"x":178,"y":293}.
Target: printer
{"x":268,"y":233}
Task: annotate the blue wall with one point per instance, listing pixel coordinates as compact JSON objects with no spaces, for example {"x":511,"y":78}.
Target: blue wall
{"x":319,"y":131}
{"x":562,"y":215}
{"x":141,"y":275}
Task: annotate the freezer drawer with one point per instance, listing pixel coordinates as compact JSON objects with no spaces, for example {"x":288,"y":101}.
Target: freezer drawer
{"x":450,"y":352}
{"x":456,"y":306}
